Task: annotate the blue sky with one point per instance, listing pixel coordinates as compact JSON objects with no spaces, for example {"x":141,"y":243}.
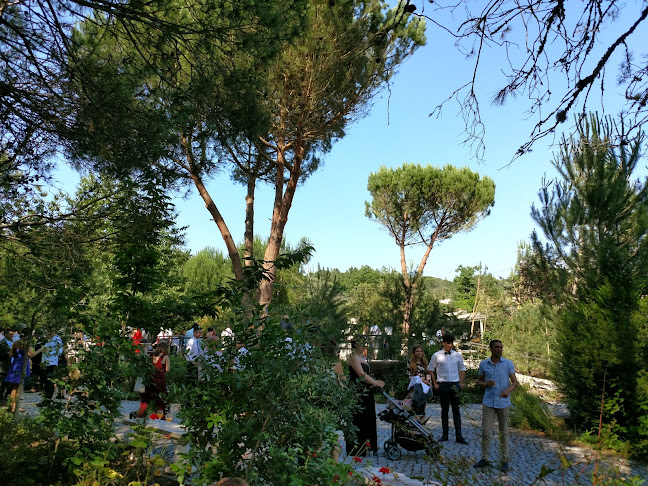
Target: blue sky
{"x":329,"y":207}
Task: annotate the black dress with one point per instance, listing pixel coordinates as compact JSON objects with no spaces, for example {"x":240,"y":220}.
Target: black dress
{"x":364,"y":418}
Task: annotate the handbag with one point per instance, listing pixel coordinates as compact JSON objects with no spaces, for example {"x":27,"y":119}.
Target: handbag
{"x":139,"y":385}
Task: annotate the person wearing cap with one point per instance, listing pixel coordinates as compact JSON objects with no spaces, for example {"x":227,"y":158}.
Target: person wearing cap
{"x":448,"y":383}
{"x":193,"y":353}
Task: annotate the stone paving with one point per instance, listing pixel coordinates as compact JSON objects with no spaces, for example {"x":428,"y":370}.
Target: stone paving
{"x":530,"y":453}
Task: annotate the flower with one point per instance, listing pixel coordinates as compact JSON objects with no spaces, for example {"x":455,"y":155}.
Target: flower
{"x":376,"y":480}
{"x":368,"y":445}
{"x":384,"y":470}
{"x":153,"y":416}
{"x":357,"y":459}
{"x":336,"y":478}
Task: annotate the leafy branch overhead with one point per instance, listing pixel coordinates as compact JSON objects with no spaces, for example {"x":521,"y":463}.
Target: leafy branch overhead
{"x":558,"y":55}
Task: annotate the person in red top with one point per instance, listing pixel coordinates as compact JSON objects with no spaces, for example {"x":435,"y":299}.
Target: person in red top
{"x":137,"y":339}
{"x":157,"y":388}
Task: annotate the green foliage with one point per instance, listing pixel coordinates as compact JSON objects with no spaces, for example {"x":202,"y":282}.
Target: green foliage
{"x":425,"y":205}
{"x":275,"y":405}
{"x":530,"y":336}
{"x":595,"y":220}
{"x":409,"y":201}
{"x":530,"y":412}
{"x":28,"y":452}
{"x":206,"y":270}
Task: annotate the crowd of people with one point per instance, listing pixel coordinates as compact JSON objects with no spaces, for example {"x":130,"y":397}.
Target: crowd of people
{"x":444,"y":375}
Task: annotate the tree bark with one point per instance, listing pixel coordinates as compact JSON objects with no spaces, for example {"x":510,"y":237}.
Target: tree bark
{"x":282,"y":204}
{"x":249,"y":220}
{"x":232,"y":251}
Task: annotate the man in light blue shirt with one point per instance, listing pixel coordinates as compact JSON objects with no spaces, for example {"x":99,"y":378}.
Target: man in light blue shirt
{"x":52,"y":351}
{"x":497,"y":375}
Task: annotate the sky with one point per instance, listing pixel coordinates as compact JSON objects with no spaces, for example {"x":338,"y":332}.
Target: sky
{"x":329,"y":207}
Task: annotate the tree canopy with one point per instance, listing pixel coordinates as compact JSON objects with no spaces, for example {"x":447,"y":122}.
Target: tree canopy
{"x":594,"y":218}
{"x":426,"y":205}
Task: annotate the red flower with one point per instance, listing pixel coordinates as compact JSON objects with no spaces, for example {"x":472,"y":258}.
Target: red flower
{"x":309,"y":453}
{"x":376,"y":480}
{"x":336,"y":478}
{"x":368,"y":445}
{"x":384,"y":470}
{"x":357,"y":459}
{"x":153,"y":416}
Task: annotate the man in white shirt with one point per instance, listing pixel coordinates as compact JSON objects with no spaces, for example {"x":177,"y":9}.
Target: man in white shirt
{"x":193,"y":353}
{"x":448,"y":382}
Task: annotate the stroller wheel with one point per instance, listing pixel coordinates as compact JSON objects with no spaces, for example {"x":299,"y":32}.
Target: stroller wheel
{"x":394,"y":453}
{"x":388,"y":444}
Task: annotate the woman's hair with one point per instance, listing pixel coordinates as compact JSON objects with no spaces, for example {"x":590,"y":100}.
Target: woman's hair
{"x":412,"y":364}
{"x":161,"y":348}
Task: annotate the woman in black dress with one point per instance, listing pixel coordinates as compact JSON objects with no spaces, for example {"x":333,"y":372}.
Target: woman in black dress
{"x":364,"y":417}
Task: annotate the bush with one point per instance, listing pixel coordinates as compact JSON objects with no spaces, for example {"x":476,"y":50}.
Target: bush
{"x":528,"y":411}
{"x":29,"y":455}
{"x":275,"y":409}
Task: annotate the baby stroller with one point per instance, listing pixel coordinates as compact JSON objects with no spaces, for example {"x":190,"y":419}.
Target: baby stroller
{"x":406,"y":432}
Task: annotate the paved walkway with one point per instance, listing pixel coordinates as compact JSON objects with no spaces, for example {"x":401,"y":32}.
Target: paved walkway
{"x":530,"y":455}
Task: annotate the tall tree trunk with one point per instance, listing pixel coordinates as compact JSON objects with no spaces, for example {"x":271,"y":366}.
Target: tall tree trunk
{"x":411,"y":285}
{"x":190,"y":166}
{"x":282,"y":204}
{"x":249,"y":219}
{"x":232,"y":251}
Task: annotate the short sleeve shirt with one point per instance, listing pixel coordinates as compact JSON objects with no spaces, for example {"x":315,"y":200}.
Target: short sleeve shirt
{"x":498,"y":372}
{"x":52,"y":350}
{"x":447,"y":366}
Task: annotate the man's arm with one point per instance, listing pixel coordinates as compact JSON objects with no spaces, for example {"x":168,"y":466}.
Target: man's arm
{"x":462,"y":371}
{"x":514,"y":384}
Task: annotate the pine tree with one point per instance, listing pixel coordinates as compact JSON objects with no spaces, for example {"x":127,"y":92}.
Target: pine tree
{"x":595,"y":219}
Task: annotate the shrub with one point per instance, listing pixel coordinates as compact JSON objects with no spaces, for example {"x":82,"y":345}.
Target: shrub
{"x":530,"y":412}
{"x":28,"y":454}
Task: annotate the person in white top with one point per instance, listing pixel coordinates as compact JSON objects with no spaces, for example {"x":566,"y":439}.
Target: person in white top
{"x":448,"y":382}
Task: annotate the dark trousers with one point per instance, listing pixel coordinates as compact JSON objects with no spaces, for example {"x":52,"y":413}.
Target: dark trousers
{"x":449,"y":394}
{"x":5,"y":388}
{"x":49,"y":384}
